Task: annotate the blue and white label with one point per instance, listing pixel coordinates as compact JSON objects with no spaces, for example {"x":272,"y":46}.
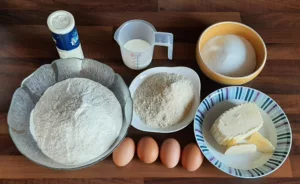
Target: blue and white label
{"x":67,"y":41}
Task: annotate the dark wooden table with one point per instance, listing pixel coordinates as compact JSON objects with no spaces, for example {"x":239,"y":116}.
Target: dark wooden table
{"x":25,"y":44}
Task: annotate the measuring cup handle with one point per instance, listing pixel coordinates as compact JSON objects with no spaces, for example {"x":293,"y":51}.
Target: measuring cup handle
{"x":165,"y":39}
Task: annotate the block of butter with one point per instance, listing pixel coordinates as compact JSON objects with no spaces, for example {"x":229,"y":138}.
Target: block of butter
{"x":263,"y":145}
{"x":237,"y":124}
{"x":240,"y":149}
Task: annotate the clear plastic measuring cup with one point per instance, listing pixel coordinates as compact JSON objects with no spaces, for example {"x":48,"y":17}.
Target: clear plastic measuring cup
{"x":139,"y":29}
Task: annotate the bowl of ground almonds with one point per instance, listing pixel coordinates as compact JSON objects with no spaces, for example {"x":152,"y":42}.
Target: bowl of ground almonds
{"x":165,"y":99}
{"x":70,"y":114}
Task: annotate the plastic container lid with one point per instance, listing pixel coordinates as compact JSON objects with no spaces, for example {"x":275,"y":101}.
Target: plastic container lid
{"x":61,"y":22}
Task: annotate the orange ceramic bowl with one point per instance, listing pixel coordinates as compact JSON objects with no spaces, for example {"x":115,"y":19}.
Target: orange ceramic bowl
{"x":249,"y":34}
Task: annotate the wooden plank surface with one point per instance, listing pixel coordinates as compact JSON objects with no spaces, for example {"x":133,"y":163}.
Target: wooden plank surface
{"x":25,"y":44}
{"x":245,"y":6}
{"x":150,"y":181}
{"x":86,"y":5}
{"x":91,"y":18}
{"x":18,"y":167}
{"x":219,"y":180}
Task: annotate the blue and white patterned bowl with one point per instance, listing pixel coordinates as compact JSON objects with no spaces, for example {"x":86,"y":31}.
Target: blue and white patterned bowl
{"x":276,"y":129}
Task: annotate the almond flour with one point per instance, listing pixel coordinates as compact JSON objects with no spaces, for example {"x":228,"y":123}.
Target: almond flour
{"x":163,"y":99}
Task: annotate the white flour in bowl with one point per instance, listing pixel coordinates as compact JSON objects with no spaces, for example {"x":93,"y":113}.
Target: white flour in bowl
{"x":163,"y":99}
{"x":75,"y":121}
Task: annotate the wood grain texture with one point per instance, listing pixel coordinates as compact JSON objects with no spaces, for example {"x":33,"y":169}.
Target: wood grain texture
{"x":26,"y":44}
{"x":151,"y":181}
{"x":279,"y":20}
{"x":282,"y":28}
{"x":295,"y":160}
{"x":86,"y":5}
{"x":3,"y":124}
{"x":219,"y":180}
{"x":246,"y":6}
{"x":91,"y":18}
{"x":75,"y":181}
{"x":295,"y":124}
{"x":267,"y":17}
{"x":283,"y":51}
{"x":18,"y":167}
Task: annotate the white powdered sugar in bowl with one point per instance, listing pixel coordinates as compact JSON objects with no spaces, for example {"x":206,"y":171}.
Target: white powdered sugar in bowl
{"x":229,"y":55}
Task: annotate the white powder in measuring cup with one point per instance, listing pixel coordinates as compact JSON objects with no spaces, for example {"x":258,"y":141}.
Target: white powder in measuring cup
{"x":75,"y":121}
{"x":163,"y":99}
{"x":229,"y":55}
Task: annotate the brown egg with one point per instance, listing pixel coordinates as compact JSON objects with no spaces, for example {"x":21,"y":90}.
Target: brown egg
{"x":191,"y":157}
{"x":147,"y":150}
{"x":124,"y":152}
{"x":170,"y":152}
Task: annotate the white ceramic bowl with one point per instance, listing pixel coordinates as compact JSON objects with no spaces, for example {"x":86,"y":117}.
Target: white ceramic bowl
{"x":276,"y":129}
{"x":187,"y":72}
